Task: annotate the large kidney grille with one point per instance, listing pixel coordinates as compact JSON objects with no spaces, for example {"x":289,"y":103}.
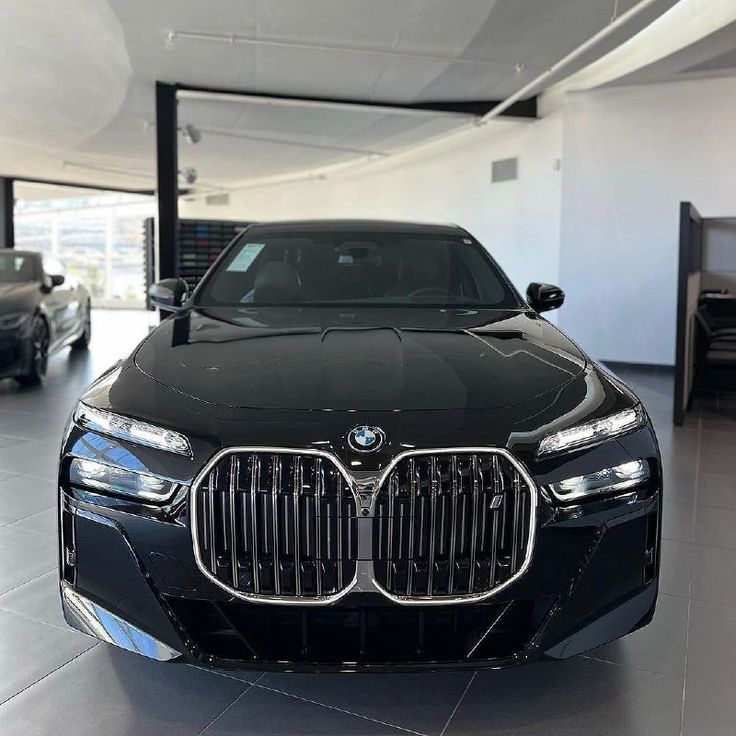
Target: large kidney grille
{"x":445,"y":525}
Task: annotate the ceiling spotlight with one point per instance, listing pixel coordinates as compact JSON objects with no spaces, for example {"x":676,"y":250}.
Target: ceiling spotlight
{"x":189,"y":174}
{"x":191,"y":134}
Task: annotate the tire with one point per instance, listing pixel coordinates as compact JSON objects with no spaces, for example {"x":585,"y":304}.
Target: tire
{"x":82,"y":342}
{"x":40,"y":339}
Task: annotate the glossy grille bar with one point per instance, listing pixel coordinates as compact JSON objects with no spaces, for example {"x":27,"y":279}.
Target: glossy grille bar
{"x":451,"y":525}
{"x":278,"y":525}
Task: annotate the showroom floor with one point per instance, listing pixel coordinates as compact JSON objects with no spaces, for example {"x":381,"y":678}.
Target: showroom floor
{"x":676,"y":676}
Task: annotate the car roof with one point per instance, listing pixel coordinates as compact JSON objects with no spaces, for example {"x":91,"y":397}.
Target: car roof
{"x":363,"y":226}
{"x":16,"y":252}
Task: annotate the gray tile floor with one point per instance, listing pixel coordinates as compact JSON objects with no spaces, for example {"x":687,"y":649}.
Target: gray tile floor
{"x":677,"y":676}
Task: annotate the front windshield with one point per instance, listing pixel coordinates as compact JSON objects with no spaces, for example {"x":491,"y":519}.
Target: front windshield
{"x":356,"y":268}
{"x":16,"y":268}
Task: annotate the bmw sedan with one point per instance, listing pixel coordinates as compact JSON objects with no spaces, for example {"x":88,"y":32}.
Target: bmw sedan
{"x":356,"y":446}
{"x":40,"y":313}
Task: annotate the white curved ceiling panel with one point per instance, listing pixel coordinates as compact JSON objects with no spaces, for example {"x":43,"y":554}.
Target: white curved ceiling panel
{"x":63,"y":76}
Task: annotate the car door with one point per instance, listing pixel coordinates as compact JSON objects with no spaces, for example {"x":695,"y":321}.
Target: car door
{"x":62,"y":301}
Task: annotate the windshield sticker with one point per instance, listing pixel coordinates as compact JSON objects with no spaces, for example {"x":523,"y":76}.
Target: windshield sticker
{"x":245,"y":257}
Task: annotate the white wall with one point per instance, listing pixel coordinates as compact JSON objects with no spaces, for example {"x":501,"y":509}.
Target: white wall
{"x":630,"y":155}
{"x":449,"y":181}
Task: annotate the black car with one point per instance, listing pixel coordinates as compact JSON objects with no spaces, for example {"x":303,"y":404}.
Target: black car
{"x":40,"y":313}
{"x":356,"y":447}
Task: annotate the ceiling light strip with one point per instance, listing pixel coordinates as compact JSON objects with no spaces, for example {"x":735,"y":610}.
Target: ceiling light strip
{"x":285,"y":142}
{"x":235,"y":38}
{"x":107,"y":170}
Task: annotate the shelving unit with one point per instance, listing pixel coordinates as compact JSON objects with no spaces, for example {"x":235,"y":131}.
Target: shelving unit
{"x":200,"y":243}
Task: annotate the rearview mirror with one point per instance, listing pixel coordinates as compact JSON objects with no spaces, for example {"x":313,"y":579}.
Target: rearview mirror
{"x":57,"y":279}
{"x":168,"y":294}
{"x":543,"y":297}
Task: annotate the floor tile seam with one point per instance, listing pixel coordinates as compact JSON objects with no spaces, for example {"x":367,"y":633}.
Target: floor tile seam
{"x":56,"y":669}
{"x":36,"y":620}
{"x":459,"y":703}
{"x":24,"y":582}
{"x":636,"y":668}
{"x":338,"y":709}
{"x":28,"y":516}
{"x":690,"y":585}
{"x":236,"y":700}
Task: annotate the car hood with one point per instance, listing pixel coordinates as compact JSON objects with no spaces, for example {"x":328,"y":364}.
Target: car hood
{"x":359,"y":359}
{"x":17,"y":296}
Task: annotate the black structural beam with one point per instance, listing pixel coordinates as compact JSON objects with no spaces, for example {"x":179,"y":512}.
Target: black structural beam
{"x":522,"y":109}
{"x":7,"y":204}
{"x":167,"y":181}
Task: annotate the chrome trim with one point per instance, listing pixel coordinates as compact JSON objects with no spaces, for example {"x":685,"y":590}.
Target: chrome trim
{"x":365,"y":567}
{"x":485,"y":595}
{"x":91,"y":618}
{"x":259,"y":597}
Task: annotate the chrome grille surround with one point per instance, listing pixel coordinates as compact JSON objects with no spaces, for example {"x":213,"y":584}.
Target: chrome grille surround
{"x":266,"y":525}
{"x":452,"y":526}
{"x":365,"y":491}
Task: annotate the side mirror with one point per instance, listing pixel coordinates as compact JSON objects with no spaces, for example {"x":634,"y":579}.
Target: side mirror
{"x":168,"y":294}
{"x":544,"y":297}
{"x":57,"y":279}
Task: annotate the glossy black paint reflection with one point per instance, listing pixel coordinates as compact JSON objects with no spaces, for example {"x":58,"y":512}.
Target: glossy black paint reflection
{"x":360,"y":359}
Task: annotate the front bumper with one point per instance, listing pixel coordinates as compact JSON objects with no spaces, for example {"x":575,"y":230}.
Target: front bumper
{"x":131,"y":579}
{"x":15,"y":352}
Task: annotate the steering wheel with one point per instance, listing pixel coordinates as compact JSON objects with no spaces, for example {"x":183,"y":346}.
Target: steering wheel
{"x":428,"y":291}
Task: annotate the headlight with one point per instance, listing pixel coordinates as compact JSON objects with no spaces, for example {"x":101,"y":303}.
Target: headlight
{"x":13,"y":320}
{"x":592,"y":432}
{"x":124,"y":428}
{"x":610,"y":480}
{"x":102,"y":477}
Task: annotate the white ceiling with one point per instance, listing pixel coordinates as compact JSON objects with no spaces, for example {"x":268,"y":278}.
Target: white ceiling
{"x":711,"y":56}
{"x":77,"y":87}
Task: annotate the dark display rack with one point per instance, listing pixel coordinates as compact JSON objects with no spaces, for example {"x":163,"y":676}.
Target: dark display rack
{"x":149,"y":255}
{"x":200,"y":242}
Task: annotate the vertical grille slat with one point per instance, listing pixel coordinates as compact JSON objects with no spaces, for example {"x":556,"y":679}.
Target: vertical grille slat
{"x":318,"y":493}
{"x":275,"y":489}
{"x":434,"y":489}
{"x":477,"y":524}
{"x":264,"y":525}
{"x":455,"y":482}
{"x":255,"y":472}
{"x":233,"y":480}
{"x":412,"y":510}
{"x":211,"y":522}
{"x":340,"y":582}
{"x":477,"y":480}
{"x":296,"y":492}
{"x":515,"y":529}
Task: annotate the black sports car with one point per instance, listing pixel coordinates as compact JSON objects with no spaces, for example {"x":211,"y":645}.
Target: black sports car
{"x":356,"y":447}
{"x":39,"y":314}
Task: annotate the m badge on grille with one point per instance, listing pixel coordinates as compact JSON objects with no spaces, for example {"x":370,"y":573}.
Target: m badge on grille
{"x":366,"y":439}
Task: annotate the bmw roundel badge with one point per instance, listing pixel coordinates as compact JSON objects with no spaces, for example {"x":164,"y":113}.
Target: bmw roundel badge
{"x":366,"y":439}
